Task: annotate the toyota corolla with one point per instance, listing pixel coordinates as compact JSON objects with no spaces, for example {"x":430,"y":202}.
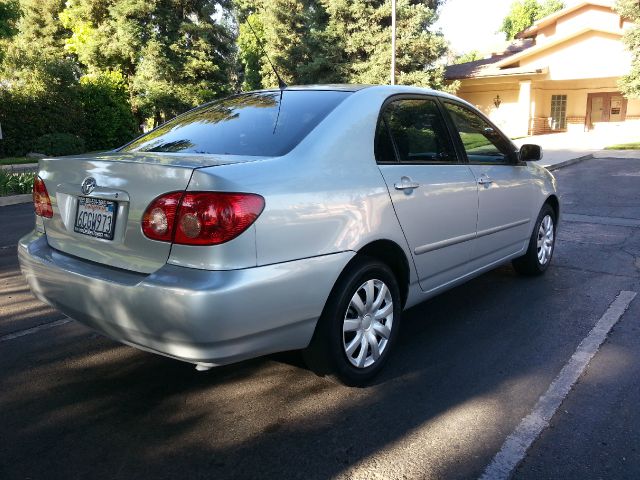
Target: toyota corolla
{"x":302,"y":218}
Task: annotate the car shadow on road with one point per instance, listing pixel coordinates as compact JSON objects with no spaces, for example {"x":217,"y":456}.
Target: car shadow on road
{"x":468,"y":365}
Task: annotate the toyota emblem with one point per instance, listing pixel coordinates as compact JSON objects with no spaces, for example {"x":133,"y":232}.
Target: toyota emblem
{"x":88,"y":184}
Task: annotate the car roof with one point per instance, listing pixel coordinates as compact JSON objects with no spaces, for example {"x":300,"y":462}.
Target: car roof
{"x":343,"y":87}
{"x":349,"y":87}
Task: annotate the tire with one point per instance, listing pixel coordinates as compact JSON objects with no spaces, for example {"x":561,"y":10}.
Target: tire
{"x":541,"y":245}
{"x":353,"y":339}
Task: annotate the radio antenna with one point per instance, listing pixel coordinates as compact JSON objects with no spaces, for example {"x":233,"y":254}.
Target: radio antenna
{"x":281,"y":83}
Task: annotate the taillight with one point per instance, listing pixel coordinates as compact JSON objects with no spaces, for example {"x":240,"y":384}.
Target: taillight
{"x":41,"y":200}
{"x":160,"y":216}
{"x":201,"y":218}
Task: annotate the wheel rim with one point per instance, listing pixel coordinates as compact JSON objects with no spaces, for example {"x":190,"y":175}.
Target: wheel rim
{"x":545,"y":240}
{"x":367,"y":324}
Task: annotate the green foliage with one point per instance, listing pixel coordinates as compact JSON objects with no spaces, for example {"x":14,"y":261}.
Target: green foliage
{"x":346,"y":41}
{"x":249,"y":53}
{"x":40,"y":99}
{"x":524,"y":13}
{"x":16,"y":160}
{"x":46,"y":97}
{"x":548,"y":7}
{"x":624,"y":146}
{"x":97,"y":69}
{"x":471,"y":56}
{"x":12,"y":183}
{"x":58,"y":144}
{"x":630,"y":83}
{"x":40,"y":30}
{"x":292,"y":33}
{"x":108,"y":120}
{"x":9,"y":16}
{"x":173,"y":55}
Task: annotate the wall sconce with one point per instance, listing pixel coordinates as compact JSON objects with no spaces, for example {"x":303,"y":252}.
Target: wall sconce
{"x":497,"y":101}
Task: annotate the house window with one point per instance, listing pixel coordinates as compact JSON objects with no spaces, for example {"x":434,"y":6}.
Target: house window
{"x":558,"y":112}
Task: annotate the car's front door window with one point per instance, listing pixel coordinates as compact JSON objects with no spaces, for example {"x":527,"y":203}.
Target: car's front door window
{"x":481,"y":142}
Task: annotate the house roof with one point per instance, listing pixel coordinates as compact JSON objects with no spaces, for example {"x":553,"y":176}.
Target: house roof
{"x":524,"y":46}
{"x":552,"y":43}
{"x":487,"y":67}
{"x":532,"y":31}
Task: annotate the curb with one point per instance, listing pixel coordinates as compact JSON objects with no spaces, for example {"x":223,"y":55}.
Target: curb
{"x":16,"y":199}
{"x":571,"y":161}
{"x":20,"y":167}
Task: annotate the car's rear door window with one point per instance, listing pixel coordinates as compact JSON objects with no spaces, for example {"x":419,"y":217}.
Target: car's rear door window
{"x":418,"y":131}
{"x":267,"y":123}
{"x":482,"y":143}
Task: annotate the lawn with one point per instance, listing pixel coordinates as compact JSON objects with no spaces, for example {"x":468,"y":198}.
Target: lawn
{"x":624,"y":146}
{"x":17,"y":160}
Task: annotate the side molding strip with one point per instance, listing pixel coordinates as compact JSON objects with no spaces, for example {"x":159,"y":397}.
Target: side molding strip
{"x":466,"y":237}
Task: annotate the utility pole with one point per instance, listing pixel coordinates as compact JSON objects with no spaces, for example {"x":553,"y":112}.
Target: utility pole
{"x":393,"y":42}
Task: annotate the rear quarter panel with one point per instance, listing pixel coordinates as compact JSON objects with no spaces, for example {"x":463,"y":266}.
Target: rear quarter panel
{"x":325,"y":196}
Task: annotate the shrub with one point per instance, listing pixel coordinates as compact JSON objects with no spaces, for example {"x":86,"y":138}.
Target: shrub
{"x":58,"y":144}
{"x":15,"y":183}
{"x":47,"y":98}
{"x":37,"y":101}
{"x":109,"y":122}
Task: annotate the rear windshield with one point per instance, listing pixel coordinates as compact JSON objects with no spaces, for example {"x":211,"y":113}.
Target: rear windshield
{"x":257,"y":123}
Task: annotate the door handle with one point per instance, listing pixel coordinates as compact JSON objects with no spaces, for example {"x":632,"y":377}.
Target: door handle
{"x":484,"y":180}
{"x":406,"y":185}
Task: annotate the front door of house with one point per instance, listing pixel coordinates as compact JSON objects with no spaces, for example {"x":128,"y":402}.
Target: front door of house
{"x":605,"y":107}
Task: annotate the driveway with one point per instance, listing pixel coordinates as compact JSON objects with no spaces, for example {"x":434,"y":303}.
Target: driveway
{"x":470,"y":365}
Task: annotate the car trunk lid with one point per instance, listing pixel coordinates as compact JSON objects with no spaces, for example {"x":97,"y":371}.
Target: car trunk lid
{"x":124,"y":184}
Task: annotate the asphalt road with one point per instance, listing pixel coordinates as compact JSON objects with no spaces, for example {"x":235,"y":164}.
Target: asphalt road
{"x":470,"y":364}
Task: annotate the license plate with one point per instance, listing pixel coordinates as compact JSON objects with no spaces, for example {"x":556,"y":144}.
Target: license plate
{"x":96,"y":217}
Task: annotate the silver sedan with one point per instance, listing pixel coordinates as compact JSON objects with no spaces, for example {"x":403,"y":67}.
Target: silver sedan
{"x":303,"y":218}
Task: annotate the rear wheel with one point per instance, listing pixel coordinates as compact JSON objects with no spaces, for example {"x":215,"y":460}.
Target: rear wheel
{"x":541,"y":245}
{"x":359,"y":324}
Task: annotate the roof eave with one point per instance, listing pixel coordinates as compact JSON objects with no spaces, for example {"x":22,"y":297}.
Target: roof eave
{"x":530,"y":73}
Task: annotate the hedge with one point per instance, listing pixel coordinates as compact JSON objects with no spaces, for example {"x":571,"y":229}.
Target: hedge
{"x":92,"y":114}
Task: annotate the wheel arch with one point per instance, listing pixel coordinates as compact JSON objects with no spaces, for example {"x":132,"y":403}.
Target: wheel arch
{"x":553,"y":201}
{"x":392,"y":255}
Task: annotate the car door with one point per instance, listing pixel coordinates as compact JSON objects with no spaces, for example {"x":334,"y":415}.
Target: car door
{"x":434,"y":194}
{"x":505,"y":189}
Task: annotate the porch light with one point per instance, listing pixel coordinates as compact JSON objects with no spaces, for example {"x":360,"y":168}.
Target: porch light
{"x":497,"y":101}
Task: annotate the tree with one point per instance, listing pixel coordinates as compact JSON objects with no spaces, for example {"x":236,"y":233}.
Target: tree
{"x":292,"y":33}
{"x":471,"y":56}
{"x":339,"y":41}
{"x":523,"y":13}
{"x":630,"y":83}
{"x":174,"y":54}
{"x":9,"y":16}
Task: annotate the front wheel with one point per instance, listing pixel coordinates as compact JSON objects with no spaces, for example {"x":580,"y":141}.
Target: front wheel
{"x":359,"y":324}
{"x":541,"y":245}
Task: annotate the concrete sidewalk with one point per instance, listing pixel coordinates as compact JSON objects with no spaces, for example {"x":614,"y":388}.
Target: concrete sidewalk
{"x":562,"y":149}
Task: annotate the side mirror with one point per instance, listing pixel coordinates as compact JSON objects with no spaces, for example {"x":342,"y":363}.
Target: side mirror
{"x":530,"y":153}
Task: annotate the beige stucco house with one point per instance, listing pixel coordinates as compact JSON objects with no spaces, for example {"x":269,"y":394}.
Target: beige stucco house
{"x":560,"y":74}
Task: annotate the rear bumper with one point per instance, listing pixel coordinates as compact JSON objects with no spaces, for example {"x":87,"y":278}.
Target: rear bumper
{"x":214,"y":317}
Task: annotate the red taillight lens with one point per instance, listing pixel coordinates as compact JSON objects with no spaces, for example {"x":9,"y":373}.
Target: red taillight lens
{"x":212,"y":218}
{"x":159,"y":218}
{"x":201,"y":218}
{"x":41,"y":200}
